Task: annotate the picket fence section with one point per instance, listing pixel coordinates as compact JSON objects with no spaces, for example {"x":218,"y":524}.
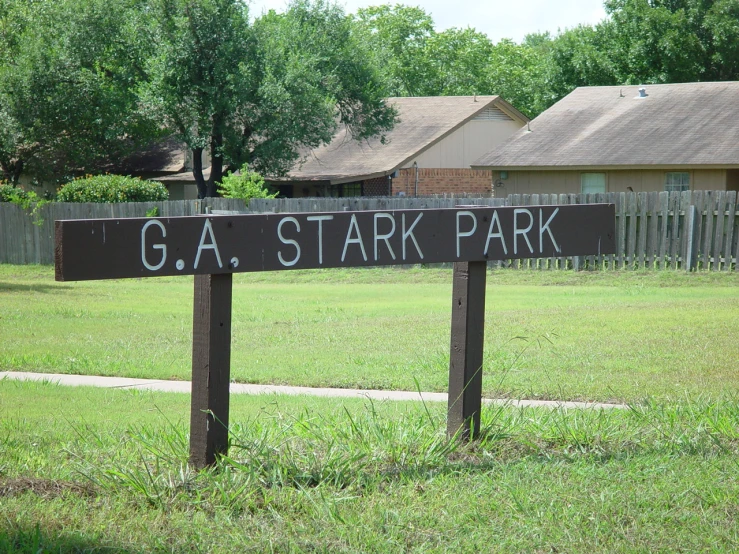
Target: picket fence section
{"x":656,"y":230}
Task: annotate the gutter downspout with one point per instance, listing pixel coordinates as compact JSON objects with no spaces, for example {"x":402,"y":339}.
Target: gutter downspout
{"x":415,"y":186}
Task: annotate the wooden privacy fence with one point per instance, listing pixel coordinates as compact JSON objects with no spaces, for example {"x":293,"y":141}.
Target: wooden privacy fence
{"x":28,"y":238}
{"x":660,"y":230}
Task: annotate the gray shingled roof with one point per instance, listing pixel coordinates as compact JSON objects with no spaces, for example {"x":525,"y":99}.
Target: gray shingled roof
{"x":422,"y":123}
{"x":690,"y":124}
{"x":165,"y":156}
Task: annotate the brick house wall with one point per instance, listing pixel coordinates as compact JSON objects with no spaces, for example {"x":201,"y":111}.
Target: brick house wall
{"x":444,"y":181}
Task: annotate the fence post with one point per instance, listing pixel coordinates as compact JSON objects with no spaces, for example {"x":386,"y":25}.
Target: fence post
{"x":691,"y":237}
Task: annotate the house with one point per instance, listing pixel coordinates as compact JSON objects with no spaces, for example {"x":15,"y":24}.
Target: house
{"x":168,"y":162}
{"x":613,"y":139}
{"x":429,"y":151}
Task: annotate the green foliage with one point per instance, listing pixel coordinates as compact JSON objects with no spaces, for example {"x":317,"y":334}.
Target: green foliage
{"x":118,"y":73}
{"x":68,"y":93}
{"x":112,"y":188}
{"x":397,"y":36}
{"x":259,"y":92}
{"x":27,"y":200}
{"x":11,"y":193}
{"x":246,"y":185}
{"x":645,"y":42}
{"x":418,"y":61}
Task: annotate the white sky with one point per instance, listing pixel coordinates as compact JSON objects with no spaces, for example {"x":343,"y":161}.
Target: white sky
{"x":498,"y":19}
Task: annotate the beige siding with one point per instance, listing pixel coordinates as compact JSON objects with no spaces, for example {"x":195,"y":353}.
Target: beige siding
{"x":732,"y":179}
{"x":536,"y":182}
{"x":466,"y":144}
{"x":708,"y":179}
{"x":640,"y":180}
{"x":182,"y":191}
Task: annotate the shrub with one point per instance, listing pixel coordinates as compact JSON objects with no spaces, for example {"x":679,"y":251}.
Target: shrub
{"x":27,"y":200}
{"x":246,"y":185}
{"x":112,"y":188}
{"x":9,"y":193}
{"x":16,"y":195}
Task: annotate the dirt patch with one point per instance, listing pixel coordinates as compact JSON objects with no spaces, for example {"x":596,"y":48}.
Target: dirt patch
{"x":44,"y":488}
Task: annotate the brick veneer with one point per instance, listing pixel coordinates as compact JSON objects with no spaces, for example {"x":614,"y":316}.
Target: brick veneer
{"x":440,"y":181}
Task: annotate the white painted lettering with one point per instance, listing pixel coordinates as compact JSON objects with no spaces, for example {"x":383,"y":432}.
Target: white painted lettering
{"x":546,"y":228}
{"x":497,"y":235}
{"x":320,"y":219}
{"x":467,"y":233}
{"x":358,"y":240}
{"x":519,"y":231}
{"x":288,"y":241}
{"x":162,"y":247}
{"x":208,"y":229}
{"x":409,"y":233}
{"x":386,"y":236}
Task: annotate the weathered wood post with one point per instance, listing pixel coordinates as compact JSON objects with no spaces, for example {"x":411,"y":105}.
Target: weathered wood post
{"x":466,"y":352}
{"x":211,"y":368}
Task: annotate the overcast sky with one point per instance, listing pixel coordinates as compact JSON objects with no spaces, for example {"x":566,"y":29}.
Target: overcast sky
{"x":498,"y":19}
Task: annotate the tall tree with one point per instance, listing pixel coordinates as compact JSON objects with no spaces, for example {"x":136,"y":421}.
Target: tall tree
{"x":458,"y":58}
{"x":668,"y":41}
{"x":68,"y":98}
{"x":259,"y":93}
{"x":397,"y":36}
{"x":418,"y":61}
{"x":580,"y":57}
{"x":518,"y":73}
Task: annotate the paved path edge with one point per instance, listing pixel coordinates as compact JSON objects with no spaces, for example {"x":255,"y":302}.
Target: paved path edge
{"x":238,"y":388}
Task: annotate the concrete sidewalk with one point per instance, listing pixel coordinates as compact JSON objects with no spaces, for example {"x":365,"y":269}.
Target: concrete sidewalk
{"x":237,"y":388}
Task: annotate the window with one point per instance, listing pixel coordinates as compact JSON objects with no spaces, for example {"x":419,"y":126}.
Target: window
{"x":677,"y":181}
{"x":592,"y":183}
{"x":351,"y":189}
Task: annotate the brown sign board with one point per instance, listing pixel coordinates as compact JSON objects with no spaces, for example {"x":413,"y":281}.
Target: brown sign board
{"x":214,"y":247}
{"x":217,"y":244}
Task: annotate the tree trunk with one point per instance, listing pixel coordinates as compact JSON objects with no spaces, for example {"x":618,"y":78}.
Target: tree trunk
{"x":11,"y":172}
{"x":216,"y":163}
{"x":17,"y":171}
{"x":197,"y":172}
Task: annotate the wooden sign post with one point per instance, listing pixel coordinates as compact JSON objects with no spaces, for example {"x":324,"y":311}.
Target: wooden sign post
{"x":214,"y":247}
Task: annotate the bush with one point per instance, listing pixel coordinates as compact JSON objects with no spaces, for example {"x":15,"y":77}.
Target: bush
{"x":9,"y":193}
{"x":112,"y":188}
{"x":246,"y":185}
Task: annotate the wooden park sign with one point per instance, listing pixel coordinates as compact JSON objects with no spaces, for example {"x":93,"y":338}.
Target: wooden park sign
{"x":214,"y":247}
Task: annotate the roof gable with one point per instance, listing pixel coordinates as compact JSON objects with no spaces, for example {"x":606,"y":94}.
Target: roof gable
{"x":422,"y":122}
{"x":689,"y":124}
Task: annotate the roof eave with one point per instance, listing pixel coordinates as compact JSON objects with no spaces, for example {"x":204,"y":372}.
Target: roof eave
{"x":623,"y":167}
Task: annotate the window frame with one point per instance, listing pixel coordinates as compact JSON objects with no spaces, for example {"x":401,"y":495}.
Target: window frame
{"x":676,"y":187}
{"x":583,"y":176}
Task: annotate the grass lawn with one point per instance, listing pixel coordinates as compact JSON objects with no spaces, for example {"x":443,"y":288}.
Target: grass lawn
{"x":550,"y":335}
{"x":91,"y":470}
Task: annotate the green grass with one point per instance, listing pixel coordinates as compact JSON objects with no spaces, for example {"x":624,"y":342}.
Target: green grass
{"x":90,"y":470}
{"x":618,"y":336}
